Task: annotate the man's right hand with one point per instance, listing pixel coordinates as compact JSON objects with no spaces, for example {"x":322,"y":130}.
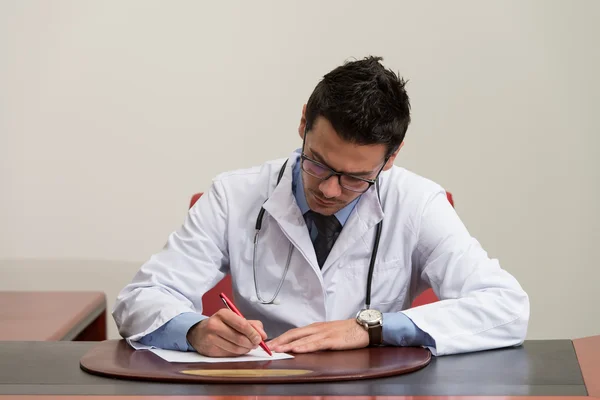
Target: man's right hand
{"x":225,"y":334}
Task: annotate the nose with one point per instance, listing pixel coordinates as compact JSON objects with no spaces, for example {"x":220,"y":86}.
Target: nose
{"x":331,"y":187}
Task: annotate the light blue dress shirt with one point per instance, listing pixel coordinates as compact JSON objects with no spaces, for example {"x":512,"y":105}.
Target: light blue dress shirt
{"x":398,"y":329}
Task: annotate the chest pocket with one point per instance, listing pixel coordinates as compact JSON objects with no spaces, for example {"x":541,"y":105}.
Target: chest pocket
{"x":390,"y":281}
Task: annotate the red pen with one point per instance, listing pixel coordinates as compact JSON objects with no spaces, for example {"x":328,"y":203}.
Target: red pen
{"x":229,"y":304}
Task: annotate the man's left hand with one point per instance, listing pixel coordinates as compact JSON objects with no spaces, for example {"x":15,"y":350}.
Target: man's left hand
{"x":334,"y":335}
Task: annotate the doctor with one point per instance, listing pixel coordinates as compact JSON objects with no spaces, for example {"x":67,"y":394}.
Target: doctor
{"x":327,"y":248}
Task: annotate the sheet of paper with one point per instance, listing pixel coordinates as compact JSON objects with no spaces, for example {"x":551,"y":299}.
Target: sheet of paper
{"x":192,"y":357}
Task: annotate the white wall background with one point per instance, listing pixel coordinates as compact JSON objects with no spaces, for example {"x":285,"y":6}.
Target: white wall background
{"x":112,"y":113}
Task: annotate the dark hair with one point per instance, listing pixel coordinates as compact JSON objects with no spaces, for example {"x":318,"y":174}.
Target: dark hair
{"x":364,"y":102}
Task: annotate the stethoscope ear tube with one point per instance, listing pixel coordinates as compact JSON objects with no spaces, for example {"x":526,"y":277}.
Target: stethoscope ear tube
{"x":373,"y":256}
{"x":258,"y":225}
{"x":372,"y":265}
{"x":261,"y":213}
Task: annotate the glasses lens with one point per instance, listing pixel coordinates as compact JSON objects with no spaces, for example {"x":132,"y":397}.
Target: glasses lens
{"x":321,"y":172}
{"x":354,"y":184}
{"x":315,"y":169}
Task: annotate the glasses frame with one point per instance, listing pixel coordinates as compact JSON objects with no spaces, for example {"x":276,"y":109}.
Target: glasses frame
{"x":333,"y":172}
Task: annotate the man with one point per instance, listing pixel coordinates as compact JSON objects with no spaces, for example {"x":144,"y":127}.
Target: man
{"x":305,"y":275}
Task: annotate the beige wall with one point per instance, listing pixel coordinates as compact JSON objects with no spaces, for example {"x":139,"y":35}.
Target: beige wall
{"x":112,"y":113}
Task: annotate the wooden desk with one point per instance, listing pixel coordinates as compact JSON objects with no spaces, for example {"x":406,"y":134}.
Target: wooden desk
{"x":588,"y":356}
{"x":538,"y":368}
{"x":52,"y":316}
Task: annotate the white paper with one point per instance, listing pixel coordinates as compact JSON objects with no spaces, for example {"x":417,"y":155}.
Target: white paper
{"x":193,"y":357}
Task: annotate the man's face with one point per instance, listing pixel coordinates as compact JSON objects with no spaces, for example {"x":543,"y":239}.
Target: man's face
{"x":325,"y":146}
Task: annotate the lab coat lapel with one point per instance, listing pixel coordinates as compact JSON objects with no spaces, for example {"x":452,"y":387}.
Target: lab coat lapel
{"x":366,"y":215}
{"x":282,"y":207}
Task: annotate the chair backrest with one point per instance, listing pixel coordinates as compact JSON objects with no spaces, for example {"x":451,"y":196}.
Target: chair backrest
{"x":211,"y":302}
{"x":450,"y":198}
{"x":195,"y":198}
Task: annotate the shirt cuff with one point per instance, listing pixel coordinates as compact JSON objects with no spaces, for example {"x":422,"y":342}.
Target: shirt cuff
{"x":399,"y":330}
{"x":173,"y":334}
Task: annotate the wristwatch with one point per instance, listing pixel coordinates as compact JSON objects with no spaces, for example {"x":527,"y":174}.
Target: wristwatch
{"x":372,"y":321}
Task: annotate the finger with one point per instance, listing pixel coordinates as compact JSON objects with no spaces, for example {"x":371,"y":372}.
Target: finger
{"x":237,"y":338}
{"x":258,"y":326}
{"x":316,"y":341}
{"x":292,"y":335}
{"x":228,"y":348}
{"x":218,"y":327}
{"x":310,"y":347}
{"x":212,"y":345}
{"x":241,"y":325}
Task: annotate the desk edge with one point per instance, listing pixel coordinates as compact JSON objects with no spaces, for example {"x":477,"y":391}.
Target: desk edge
{"x":83,"y":319}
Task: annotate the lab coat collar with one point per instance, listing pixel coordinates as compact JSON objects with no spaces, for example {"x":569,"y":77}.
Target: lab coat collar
{"x":282,"y":206}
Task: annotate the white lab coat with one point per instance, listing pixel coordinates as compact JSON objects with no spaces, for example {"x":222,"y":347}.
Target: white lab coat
{"x":423,"y":244}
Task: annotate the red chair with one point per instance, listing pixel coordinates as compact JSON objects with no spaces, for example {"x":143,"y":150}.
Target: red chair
{"x":211,"y":302}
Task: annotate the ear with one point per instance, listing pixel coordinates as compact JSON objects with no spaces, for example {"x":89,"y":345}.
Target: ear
{"x":302,"y":125}
{"x":390,"y":161}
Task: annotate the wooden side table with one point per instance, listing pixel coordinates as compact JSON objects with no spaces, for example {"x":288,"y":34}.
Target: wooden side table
{"x":52,"y":316}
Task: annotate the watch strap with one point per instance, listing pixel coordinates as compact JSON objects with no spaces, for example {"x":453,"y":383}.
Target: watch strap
{"x":375,"y":335}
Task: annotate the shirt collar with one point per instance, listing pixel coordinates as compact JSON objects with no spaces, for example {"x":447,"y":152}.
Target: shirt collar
{"x":298,"y":191}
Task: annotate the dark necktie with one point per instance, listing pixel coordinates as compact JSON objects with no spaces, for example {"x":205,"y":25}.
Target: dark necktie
{"x":328,"y":230}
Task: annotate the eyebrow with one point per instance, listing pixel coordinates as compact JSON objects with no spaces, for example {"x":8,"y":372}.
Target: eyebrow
{"x":322,"y":161}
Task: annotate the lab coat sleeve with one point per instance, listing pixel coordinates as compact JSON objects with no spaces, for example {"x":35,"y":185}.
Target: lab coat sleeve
{"x":481,"y":305}
{"x":173,"y":281}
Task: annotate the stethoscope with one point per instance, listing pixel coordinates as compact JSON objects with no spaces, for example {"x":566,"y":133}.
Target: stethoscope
{"x":274,"y":299}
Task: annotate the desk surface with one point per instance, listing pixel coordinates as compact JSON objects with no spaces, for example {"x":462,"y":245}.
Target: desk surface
{"x":47,"y":316}
{"x":42,"y":397}
{"x":540,"y":368}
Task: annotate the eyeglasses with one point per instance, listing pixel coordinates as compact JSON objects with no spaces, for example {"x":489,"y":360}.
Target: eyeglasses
{"x":323,"y":172}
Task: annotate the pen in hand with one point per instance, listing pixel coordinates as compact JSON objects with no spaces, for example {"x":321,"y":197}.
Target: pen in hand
{"x":229,"y":304}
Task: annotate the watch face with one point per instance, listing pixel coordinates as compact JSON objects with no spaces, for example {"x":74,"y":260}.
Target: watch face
{"x":370,"y":316}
